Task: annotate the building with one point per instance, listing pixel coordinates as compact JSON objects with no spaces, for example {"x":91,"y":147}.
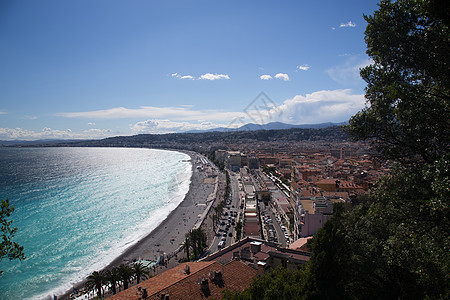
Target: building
{"x":336,"y":185}
{"x":261,"y":254}
{"x":220,"y":155}
{"x":234,"y":160}
{"x":253,"y":162}
{"x":193,"y":280}
{"x":312,"y":214}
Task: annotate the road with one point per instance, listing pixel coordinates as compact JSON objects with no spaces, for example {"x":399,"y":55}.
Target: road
{"x":229,"y":218}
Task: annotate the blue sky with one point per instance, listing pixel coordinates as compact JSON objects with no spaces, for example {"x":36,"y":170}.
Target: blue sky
{"x":92,"y":69}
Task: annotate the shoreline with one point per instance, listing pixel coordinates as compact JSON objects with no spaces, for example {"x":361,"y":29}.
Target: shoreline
{"x":167,"y":237}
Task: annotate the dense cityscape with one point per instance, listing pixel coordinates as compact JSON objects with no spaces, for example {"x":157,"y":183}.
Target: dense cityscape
{"x":353,"y":210}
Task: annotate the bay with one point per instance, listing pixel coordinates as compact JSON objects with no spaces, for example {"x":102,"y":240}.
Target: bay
{"x":78,"y":208}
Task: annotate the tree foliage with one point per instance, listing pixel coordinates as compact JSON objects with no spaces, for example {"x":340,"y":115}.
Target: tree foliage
{"x":198,"y":241}
{"x":408,"y":82}
{"x":195,"y":239}
{"x":8,"y":248}
{"x":140,"y":272}
{"x":279,"y":283}
{"x":95,"y":282}
{"x":125,"y":274}
{"x":395,"y":244}
{"x":112,"y":278}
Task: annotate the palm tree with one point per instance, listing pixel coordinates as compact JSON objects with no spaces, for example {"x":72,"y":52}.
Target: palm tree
{"x":125,"y":274}
{"x":112,"y":277}
{"x":95,"y":281}
{"x":198,"y":240}
{"x":201,"y":241}
{"x":193,"y":236}
{"x":214,"y":219}
{"x":140,"y":271}
{"x":186,"y":245}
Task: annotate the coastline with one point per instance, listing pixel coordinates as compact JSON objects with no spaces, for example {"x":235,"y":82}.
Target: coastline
{"x":167,"y":237}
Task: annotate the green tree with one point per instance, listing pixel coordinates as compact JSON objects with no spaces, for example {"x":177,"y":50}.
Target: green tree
{"x":95,"y":281}
{"x":198,"y":240}
{"x":186,"y":245}
{"x":279,"y":283}
{"x":140,"y":271}
{"x":8,"y":248}
{"x":112,"y":278}
{"x":125,"y":275}
{"x":328,"y":263}
{"x":397,"y":242}
{"x":238,"y":229}
{"x":408,"y":82}
{"x":214,"y":218}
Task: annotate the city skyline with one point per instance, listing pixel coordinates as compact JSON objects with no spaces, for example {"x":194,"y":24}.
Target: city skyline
{"x":77,"y":70}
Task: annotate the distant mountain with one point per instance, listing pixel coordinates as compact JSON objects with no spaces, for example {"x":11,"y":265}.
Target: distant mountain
{"x":270,"y":126}
{"x":46,"y":142}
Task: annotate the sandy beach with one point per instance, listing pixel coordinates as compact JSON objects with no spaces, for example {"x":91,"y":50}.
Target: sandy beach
{"x":169,"y":235}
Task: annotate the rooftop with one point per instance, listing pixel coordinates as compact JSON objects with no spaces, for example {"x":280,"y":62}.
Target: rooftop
{"x":194,"y":280}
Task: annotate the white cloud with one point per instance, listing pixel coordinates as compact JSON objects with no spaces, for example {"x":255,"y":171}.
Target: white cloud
{"x":184,"y":113}
{"x":348,"y":24}
{"x":2,"y":112}
{"x":348,"y":73}
{"x":48,"y":133}
{"x":91,"y":124}
{"x":265,"y":77}
{"x":305,"y":67}
{"x":183,"y":76}
{"x":155,"y":126}
{"x":317,"y":107}
{"x":282,"y":76}
{"x":209,"y":76}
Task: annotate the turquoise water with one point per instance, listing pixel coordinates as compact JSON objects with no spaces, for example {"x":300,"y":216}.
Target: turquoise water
{"x":79,"y":208}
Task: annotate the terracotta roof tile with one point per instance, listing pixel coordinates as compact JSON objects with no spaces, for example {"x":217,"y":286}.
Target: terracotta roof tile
{"x":235,"y":275}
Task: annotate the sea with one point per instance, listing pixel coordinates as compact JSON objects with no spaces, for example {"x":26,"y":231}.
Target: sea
{"x":76,"y":209}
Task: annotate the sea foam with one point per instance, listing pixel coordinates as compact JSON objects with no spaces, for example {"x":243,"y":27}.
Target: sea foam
{"x":92,"y":206}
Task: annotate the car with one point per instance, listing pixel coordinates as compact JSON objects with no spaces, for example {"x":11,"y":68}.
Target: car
{"x":220,"y":245}
{"x":223,"y":239}
{"x":224,"y":234}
